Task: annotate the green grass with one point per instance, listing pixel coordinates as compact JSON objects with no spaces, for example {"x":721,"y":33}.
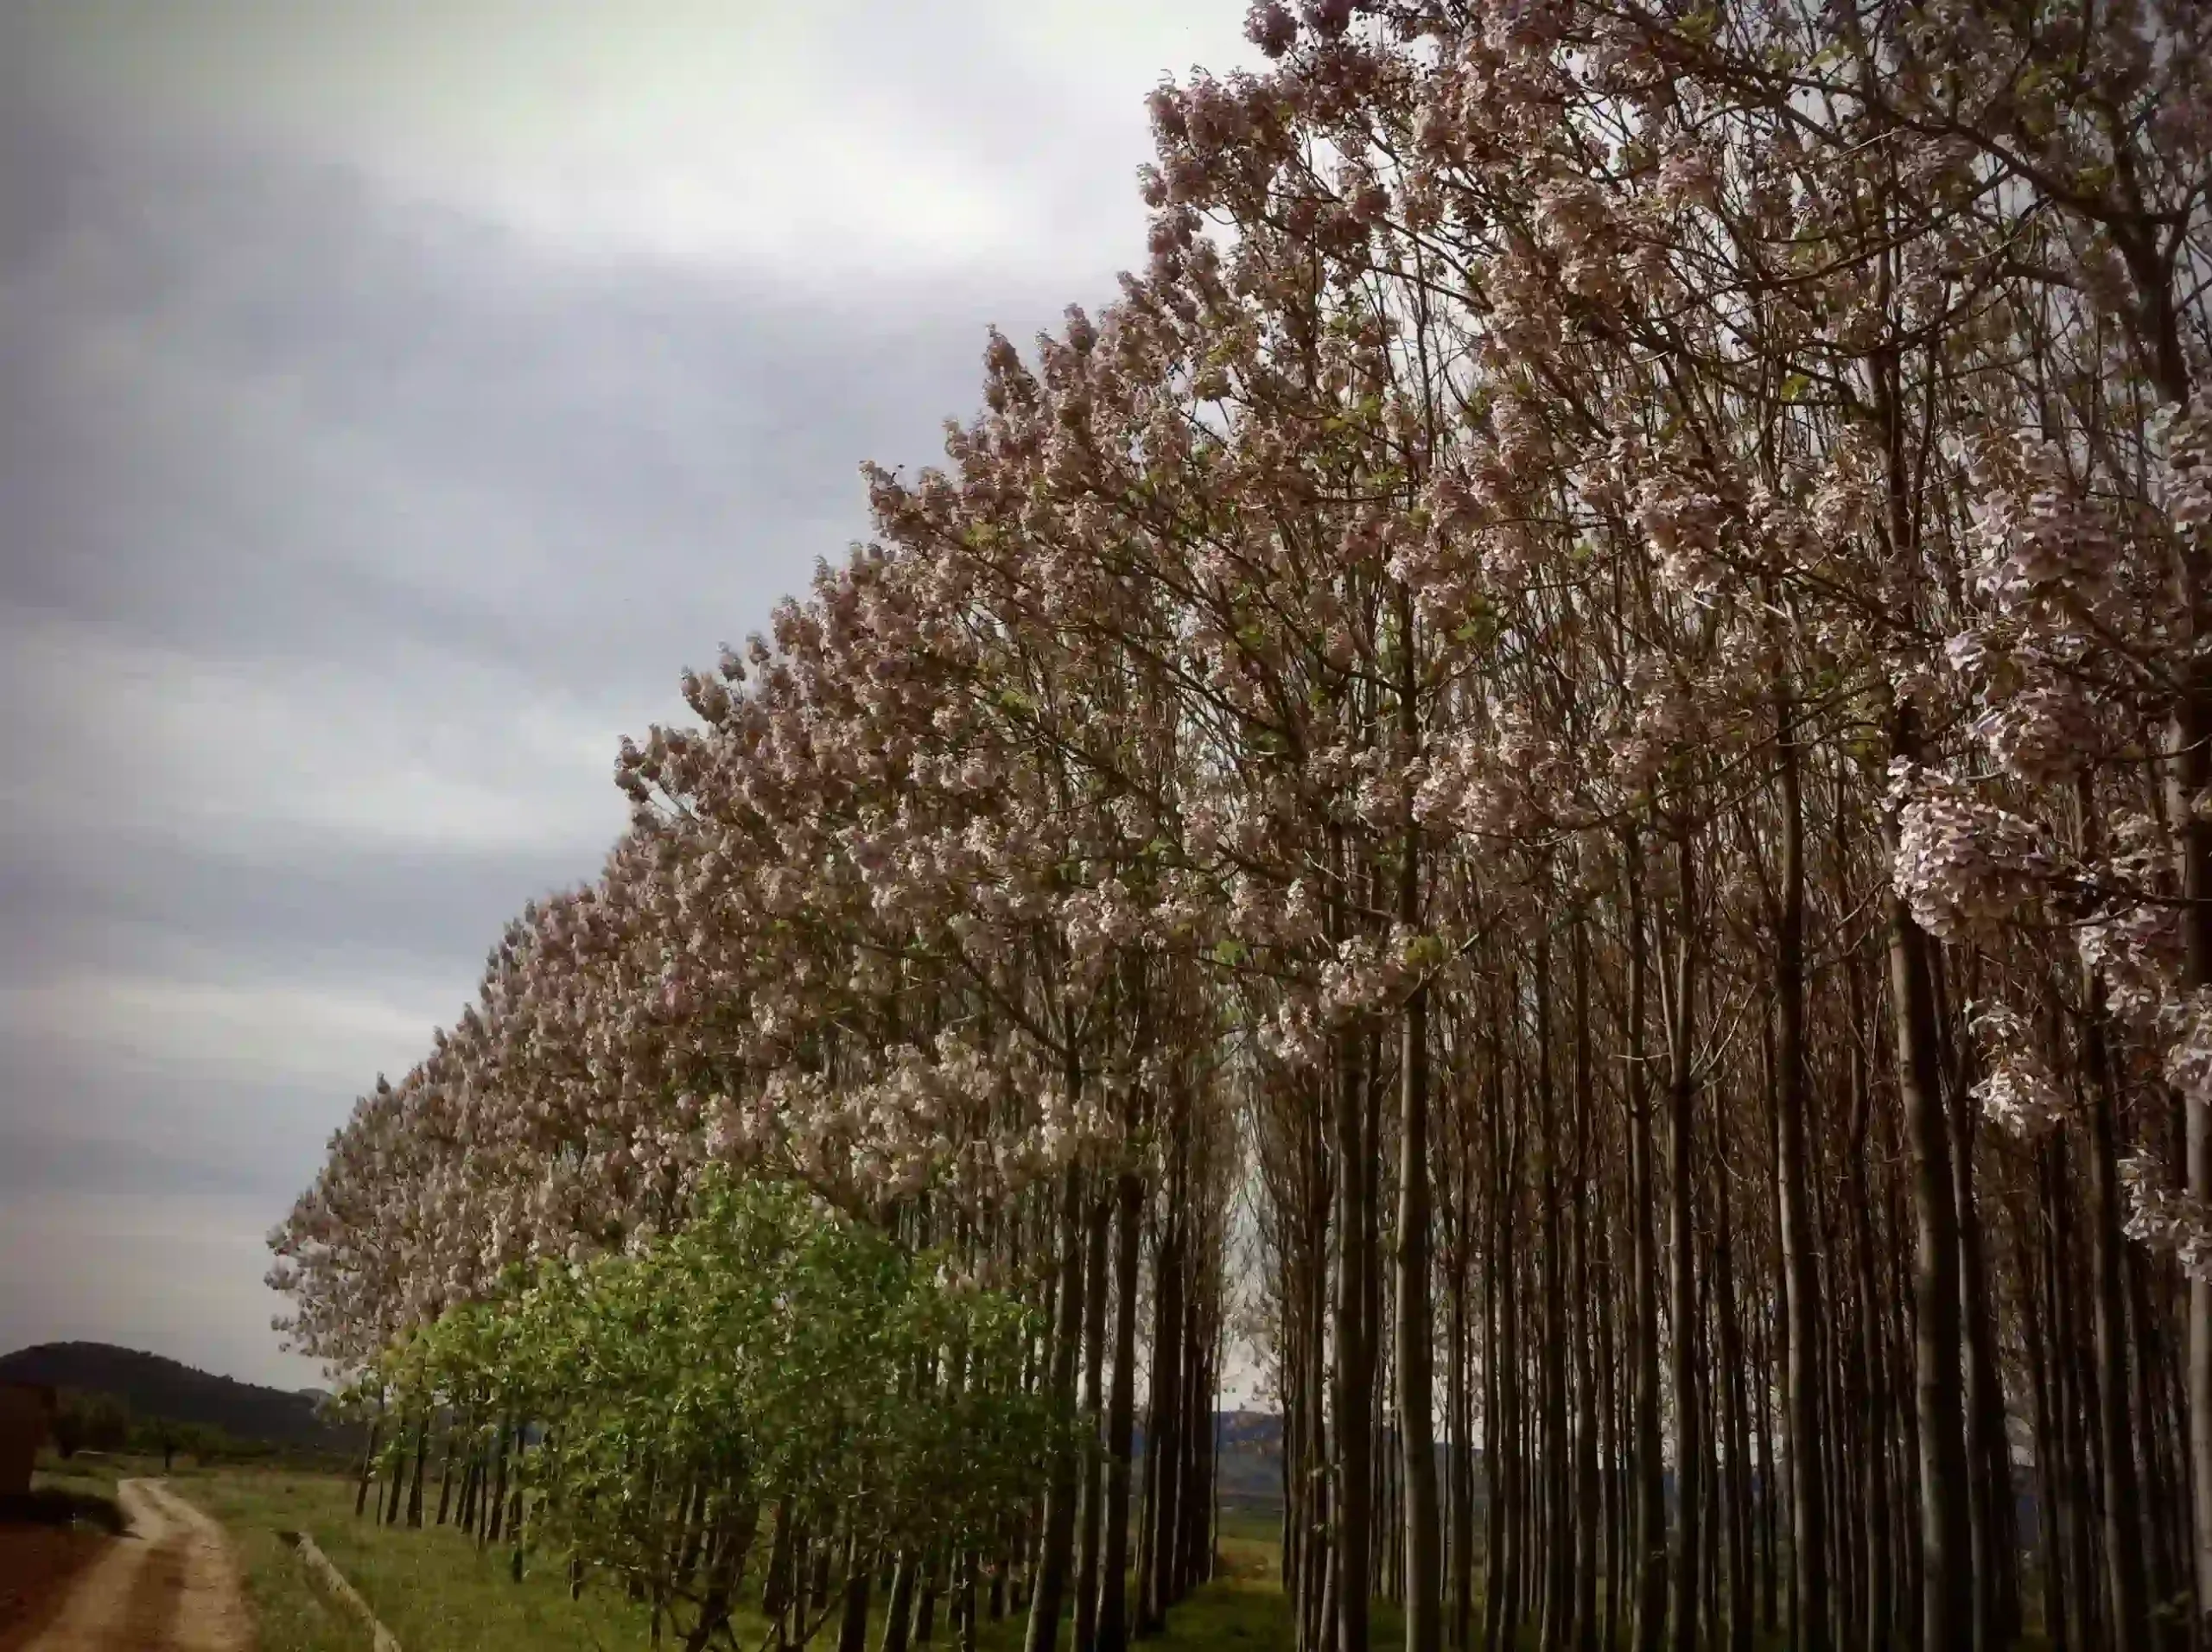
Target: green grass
{"x":1252,"y":1525}
{"x":436,"y":1593}
{"x":292,"y":1611}
{"x":431,"y":1588}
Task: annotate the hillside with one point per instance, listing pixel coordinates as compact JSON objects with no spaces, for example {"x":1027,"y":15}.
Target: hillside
{"x":153,"y":1385}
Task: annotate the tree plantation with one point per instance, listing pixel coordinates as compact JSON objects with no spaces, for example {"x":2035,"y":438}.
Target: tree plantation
{"x":1554,"y":787}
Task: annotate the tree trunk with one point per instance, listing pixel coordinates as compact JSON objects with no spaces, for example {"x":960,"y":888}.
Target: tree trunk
{"x":1585,"y":1522}
{"x":368,"y":1463}
{"x":1156,"y":1557}
{"x":1808,"y":1539}
{"x":898,"y":1612}
{"x":1415,"y":1315}
{"x":1059,"y":1489}
{"x":2126,"y":1588}
{"x":1946,"y":1558}
{"x":415,"y":1481}
{"x":852,"y":1622}
{"x":1689,"y":1449}
{"x":1355,"y":1378}
{"x":1734,"y":1483}
{"x":1651,"y":1523}
{"x":1112,"y":1633}
{"x":1093,"y":1464}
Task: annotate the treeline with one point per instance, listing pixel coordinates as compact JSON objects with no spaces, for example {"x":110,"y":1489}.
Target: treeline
{"x":103,"y":1422}
{"x":1560,"y":778}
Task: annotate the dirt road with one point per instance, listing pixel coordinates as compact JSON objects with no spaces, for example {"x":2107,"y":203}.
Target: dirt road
{"x":170,"y":1585}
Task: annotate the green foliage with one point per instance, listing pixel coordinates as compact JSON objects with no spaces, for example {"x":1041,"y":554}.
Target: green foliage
{"x":104,"y":1422}
{"x":773,"y":1354}
{"x":90,"y":1422}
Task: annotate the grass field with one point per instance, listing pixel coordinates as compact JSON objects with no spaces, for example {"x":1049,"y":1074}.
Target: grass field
{"x":436,"y":1593}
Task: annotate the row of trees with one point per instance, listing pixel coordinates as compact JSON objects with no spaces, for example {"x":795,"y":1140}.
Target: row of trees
{"x":85,"y":1421}
{"x":640,"y":1413}
{"x":1586,"y":713}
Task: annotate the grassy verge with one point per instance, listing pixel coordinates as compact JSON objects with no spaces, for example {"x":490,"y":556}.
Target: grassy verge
{"x":436,"y":1593}
{"x":290,"y":1612}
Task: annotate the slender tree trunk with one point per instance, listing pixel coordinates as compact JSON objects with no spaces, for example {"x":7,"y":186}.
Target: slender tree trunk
{"x":1763,"y":1439}
{"x":1807,"y":1538}
{"x":1459,"y":1403}
{"x":1496,"y":1484}
{"x":1060,"y":1488}
{"x":2126,"y":1588}
{"x":1416,"y":1315}
{"x":1113,"y":1631}
{"x":1355,"y":1376}
{"x":898,"y":1612}
{"x":1554,"y":1541}
{"x":1988,"y":1456}
{"x":925,"y":1629}
{"x":1618,"y":1539}
{"x":1586,"y":1524}
{"x":1651,"y":1569}
{"x":445,"y":1477}
{"x":1689,"y":1448}
{"x":2052,"y":1595}
{"x":965,"y":1595}
{"x":491,"y":1533}
{"x":368,"y":1463}
{"x":852,"y":1622}
{"x":1156,"y":1559}
{"x":398,"y":1486}
{"x":1734,"y":1483}
{"x":415,"y":1481}
{"x":1946,"y":1556}
{"x":471,"y":1476}
{"x":1094,"y":1463}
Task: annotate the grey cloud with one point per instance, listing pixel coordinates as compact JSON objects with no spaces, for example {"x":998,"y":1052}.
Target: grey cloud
{"x":80,"y":1120}
{"x":352,"y":909}
{"x":376,"y":493}
{"x":229,"y":377}
{"x":44,"y":1162}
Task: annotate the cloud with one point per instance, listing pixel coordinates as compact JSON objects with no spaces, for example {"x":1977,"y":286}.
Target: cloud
{"x":317,"y":1037}
{"x":394,"y":400}
{"x":176,"y":1273}
{"x":846,"y":142}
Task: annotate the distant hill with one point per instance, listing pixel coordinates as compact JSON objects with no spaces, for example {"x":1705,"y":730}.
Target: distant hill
{"x":154,"y":1387}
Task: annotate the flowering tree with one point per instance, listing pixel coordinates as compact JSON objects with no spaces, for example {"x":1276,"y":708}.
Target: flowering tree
{"x":1589,"y":695}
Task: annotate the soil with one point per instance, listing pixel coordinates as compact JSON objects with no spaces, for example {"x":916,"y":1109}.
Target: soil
{"x":37,"y":1563}
{"x":169,"y":1584}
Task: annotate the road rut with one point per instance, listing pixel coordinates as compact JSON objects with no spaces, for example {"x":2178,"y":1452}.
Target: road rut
{"x":169,"y":1584}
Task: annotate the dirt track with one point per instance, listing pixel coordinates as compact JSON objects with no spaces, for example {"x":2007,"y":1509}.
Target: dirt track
{"x":170,"y":1585}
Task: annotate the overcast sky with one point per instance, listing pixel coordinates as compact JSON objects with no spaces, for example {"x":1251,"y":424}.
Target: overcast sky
{"x":392,"y":401}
